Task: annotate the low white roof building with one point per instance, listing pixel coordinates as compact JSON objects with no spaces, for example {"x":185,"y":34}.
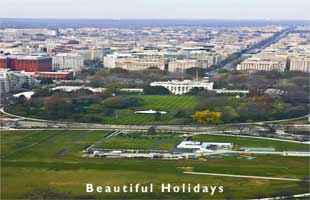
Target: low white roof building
{"x":28,"y":94}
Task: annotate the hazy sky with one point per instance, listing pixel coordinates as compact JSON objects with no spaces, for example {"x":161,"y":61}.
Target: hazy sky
{"x":162,"y":9}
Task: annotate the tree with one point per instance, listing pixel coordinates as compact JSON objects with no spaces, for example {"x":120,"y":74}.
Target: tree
{"x":57,"y":108}
{"x":151,"y":131}
{"x":157,"y":116}
{"x":95,"y":108}
{"x":94,"y":63}
{"x":155,"y":90}
{"x":42,"y":92}
{"x":201,"y":72}
{"x":26,"y":85}
{"x":122,"y":102}
{"x":197,"y":91}
{"x":46,"y":81}
{"x":21,"y":99}
{"x":229,"y":114}
{"x":207,"y":117}
{"x":181,"y":114}
{"x":118,"y":70}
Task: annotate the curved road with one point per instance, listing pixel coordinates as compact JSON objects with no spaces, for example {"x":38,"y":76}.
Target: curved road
{"x":229,"y":124}
{"x":212,"y":130}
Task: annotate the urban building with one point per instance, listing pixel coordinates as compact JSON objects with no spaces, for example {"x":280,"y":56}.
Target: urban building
{"x":67,"y":61}
{"x":14,"y":81}
{"x":133,"y":62}
{"x":26,"y":63}
{"x":257,"y":64}
{"x":54,"y":75}
{"x":183,"y":65}
{"x":301,"y":63}
{"x":204,"y":146}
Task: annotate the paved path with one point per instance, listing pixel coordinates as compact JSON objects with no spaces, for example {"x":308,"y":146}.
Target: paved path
{"x":21,"y":117}
{"x":245,"y":176}
{"x":303,"y":196}
{"x":101,"y":142}
{"x":220,"y":133}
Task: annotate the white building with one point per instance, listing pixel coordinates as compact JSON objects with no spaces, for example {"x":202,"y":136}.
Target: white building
{"x":182,"y":65}
{"x":189,"y":145}
{"x":183,"y":87}
{"x":65,"y":61}
{"x":257,"y":64}
{"x":77,"y":88}
{"x":11,"y":81}
{"x":133,"y":62}
{"x":301,"y":63}
{"x":204,"y":146}
{"x":27,"y":95}
{"x":91,"y":54}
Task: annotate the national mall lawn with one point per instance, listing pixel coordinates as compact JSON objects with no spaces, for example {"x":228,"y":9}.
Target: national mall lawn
{"x":48,"y":164}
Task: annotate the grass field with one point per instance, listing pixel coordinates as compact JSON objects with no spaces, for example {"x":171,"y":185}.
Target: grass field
{"x":142,"y":142}
{"x":48,"y":165}
{"x":168,"y":103}
{"x":47,"y":144}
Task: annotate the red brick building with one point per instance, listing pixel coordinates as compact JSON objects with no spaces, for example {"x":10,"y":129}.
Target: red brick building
{"x":54,"y":75}
{"x":27,"y":63}
{"x":3,"y":62}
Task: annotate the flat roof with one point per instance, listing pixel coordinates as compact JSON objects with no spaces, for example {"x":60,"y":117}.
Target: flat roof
{"x":23,"y":57}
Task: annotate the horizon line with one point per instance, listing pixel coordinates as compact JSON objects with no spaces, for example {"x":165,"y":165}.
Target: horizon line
{"x":180,"y":19}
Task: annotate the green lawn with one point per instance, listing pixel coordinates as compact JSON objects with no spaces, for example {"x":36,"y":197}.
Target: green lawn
{"x":52,"y":168}
{"x":38,"y":145}
{"x":167,"y":102}
{"x":143,"y":142}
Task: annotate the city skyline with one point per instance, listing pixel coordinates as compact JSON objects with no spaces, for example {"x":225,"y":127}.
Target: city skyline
{"x":159,"y":9}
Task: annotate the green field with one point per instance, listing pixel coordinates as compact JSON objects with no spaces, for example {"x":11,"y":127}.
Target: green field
{"x":48,"y":165}
{"x":47,"y":144}
{"x":168,"y":103}
{"x":250,"y":142}
{"x":142,"y":142}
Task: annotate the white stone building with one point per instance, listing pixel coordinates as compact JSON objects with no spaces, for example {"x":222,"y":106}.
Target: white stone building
{"x":133,"y":62}
{"x":257,"y":64}
{"x":183,"y":87}
{"x":301,"y":63}
{"x":182,"y":65}
{"x":66,"y":61}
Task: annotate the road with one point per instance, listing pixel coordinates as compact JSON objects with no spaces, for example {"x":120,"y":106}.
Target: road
{"x":295,"y":196}
{"x":147,"y":126}
{"x":220,"y":133}
{"x":32,"y":123}
{"x":254,"y":49}
{"x":246,"y":176}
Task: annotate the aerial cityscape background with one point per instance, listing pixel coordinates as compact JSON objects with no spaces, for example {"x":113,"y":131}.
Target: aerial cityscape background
{"x":154,"y":99}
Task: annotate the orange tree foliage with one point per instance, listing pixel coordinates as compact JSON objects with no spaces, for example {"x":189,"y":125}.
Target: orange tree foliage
{"x":207,"y":117}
